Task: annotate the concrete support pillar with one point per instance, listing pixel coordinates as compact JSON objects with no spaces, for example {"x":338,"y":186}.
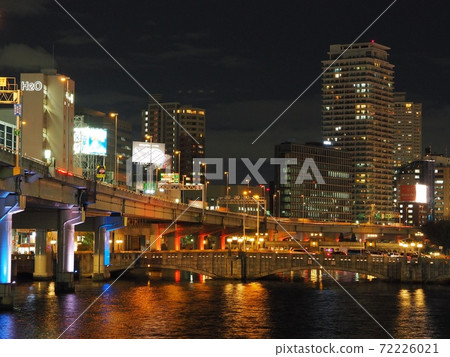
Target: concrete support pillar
{"x":200,"y":241}
{"x":6,"y":298}
{"x":101,"y":260}
{"x":67,"y":220}
{"x":173,"y":239}
{"x":142,"y":241}
{"x":42,"y":257}
{"x":102,"y":227}
{"x":177,"y":238}
{"x":8,"y":206}
{"x":155,"y":240}
{"x":222,"y":240}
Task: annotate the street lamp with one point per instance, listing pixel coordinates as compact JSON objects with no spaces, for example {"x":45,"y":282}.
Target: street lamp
{"x":256,"y":197}
{"x":115,"y":116}
{"x":419,"y":247}
{"x":65,"y":80}
{"x":244,"y":212}
{"x":303,"y":206}
{"x":178,"y":152}
{"x":273,"y":204}
{"x":119,"y":157}
{"x":227,"y":188}
{"x":279,"y":203}
{"x":205,"y":198}
{"x":206,"y":193}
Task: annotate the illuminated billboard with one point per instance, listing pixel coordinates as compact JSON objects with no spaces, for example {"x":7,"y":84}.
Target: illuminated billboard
{"x":414,"y":193}
{"x":90,"y":141}
{"x":149,"y":153}
{"x":421,"y":194}
{"x":169,"y":177}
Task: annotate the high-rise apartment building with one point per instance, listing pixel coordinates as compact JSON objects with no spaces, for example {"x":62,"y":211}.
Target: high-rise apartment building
{"x":48,"y":110}
{"x":358,"y":118}
{"x":159,"y":126}
{"x":441,"y":185}
{"x":407,"y":130}
{"x":311,"y":199}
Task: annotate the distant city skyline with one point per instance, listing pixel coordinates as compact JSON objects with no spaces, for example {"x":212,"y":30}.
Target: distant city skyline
{"x":244,"y":67}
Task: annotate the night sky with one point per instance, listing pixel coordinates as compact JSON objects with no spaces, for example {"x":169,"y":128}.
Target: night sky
{"x":243,"y":61}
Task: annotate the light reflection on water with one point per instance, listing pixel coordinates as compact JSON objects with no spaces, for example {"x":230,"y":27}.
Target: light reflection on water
{"x":306,"y":304}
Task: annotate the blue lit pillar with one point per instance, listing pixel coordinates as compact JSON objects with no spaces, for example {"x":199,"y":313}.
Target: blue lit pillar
{"x":8,"y":206}
{"x":101,"y":262}
{"x":102,"y":228}
{"x":67,"y":221}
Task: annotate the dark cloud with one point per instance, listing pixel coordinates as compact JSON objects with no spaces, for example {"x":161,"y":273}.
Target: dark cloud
{"x":75,"y":38}
{"x":24,"y":57}
{"x":242,"y":122}
{"x":185,"y":51}
{"x":23,"y":8}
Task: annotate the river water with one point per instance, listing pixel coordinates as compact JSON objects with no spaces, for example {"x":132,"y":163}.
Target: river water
{"x":182,"y":305}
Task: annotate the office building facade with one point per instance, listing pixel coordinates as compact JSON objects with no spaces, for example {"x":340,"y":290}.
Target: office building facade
{"x":7,"y":128}
{"x":414,"y":192}
{"x":329,"y":201}
{"x":48,"y":110}
{"x":441,"y":185}
{"x":159,"y":126}
{"x":358,"y":118}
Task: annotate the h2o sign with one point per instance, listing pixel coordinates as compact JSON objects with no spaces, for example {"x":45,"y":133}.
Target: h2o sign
{"x":31,"y":86}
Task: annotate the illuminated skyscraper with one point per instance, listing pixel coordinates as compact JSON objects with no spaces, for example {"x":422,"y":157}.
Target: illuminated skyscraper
{"x":160,"y":126}
{"x":408,"y":130}
{"x":358,"y":117}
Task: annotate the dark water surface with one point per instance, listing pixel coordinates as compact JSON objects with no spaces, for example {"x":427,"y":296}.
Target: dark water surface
{"x":180,"y":305}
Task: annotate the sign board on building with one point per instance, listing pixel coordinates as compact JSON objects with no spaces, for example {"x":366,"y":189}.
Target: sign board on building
{"x":407,"y":193}
{"x":90,"y":141}
{"x":101,"y":171}
{"x":27,"y":86}
{"x":169,"y":177}
{"x":148,"y":153}
{"x":414,"y":193}
{"x":18,"y":109}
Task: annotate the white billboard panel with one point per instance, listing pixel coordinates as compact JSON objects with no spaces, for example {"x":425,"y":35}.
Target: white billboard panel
{"x":149,"y":153}
{"x":421,"y":193}
{"x":90,"y":141}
